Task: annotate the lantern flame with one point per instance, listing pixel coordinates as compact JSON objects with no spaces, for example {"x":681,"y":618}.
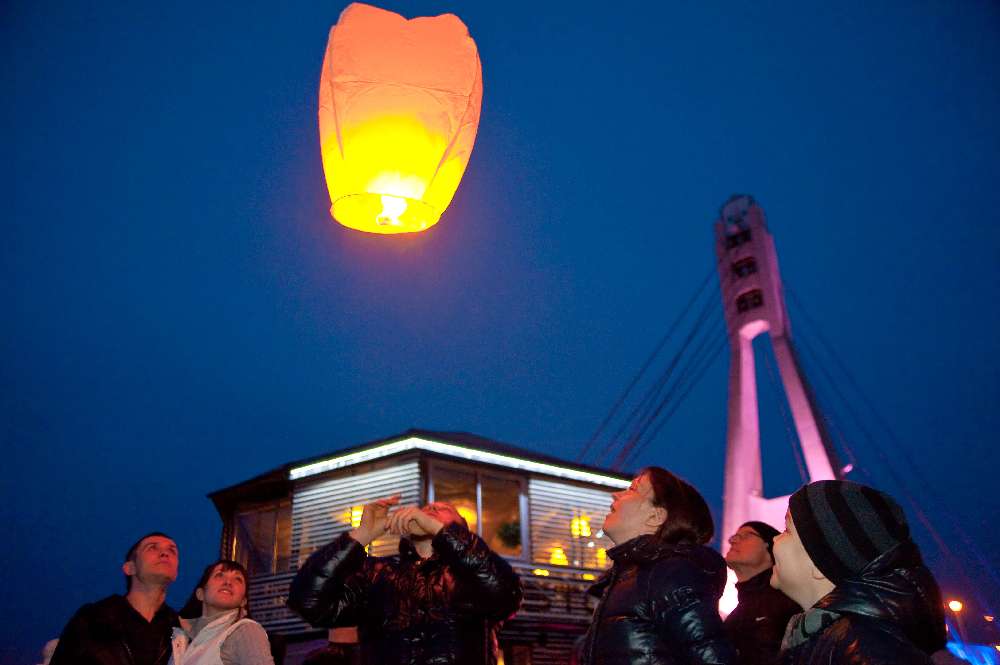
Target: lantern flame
{"x":392,"y":208}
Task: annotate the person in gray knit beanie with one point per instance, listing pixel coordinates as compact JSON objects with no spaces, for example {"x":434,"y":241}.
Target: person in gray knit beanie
{"x":846,"y":557}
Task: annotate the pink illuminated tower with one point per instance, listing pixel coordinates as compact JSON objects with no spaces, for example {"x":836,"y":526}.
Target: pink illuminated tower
{"x":754,"y":303}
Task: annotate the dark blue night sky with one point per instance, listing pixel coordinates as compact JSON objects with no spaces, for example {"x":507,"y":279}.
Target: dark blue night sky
{"x":183,"y":314}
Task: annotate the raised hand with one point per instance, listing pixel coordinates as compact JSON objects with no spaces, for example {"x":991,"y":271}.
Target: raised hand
{"x":412,"y":521}
{"x":374,"y":520}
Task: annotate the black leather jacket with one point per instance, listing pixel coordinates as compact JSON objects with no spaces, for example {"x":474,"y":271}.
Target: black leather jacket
{"x":110,"y":632}
{"x":443,"y":610}
{"x":758,"y":622}
{"x":659,"y":606}
{"x":890,"y":614}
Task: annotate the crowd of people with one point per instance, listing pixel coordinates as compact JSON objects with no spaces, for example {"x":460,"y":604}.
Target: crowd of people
{"x":842,"y":583}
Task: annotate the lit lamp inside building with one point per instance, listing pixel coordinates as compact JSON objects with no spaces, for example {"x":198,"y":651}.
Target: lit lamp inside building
{"x":399,"y":105}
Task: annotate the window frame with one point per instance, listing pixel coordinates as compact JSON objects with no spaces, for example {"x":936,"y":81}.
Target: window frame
{"x":522,"y":498}
{"x":275,"y":507}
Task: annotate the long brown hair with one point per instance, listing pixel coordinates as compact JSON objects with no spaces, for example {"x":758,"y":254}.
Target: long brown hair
{"x":688,"y":516}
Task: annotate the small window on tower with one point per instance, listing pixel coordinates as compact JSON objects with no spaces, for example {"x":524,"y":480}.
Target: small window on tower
{"x":749,"y":300}
{"x":737,"y":239}
{"x":744,"y":267}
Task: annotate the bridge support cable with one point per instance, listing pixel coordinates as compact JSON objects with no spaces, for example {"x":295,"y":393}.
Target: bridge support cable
{"x":786,"y":418}
{"x":690,"y":361}
{"x":654,"y":395}
{"x":686,"y":384}
{"x":645,"y":366}
{"x":883,"y":456}
{"x":926,"y":489}
{"x":627,"y":418}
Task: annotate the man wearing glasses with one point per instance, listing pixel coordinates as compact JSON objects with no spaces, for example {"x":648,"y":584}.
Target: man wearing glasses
{"x":758,"y":622}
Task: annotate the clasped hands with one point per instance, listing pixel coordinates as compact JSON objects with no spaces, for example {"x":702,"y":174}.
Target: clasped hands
{"x":408,"y":521}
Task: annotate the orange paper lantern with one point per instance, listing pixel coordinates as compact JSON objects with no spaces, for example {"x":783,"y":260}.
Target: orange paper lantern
{"x":399,"y":104}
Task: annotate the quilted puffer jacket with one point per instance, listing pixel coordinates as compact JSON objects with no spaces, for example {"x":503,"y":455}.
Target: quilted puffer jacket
{"x":659,"y":606}
{"x":889,"y":614}
{"x":443,"y":610}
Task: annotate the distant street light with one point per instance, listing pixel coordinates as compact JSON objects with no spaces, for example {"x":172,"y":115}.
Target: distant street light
{"x":955,"y":606}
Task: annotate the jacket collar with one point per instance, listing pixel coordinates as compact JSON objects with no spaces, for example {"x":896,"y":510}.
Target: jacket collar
{"x":898,"y":589}
{"x":643,"y":549}
{"x":408,"y":554}
{"x":639,"y":550}
{"x":759,"y":581}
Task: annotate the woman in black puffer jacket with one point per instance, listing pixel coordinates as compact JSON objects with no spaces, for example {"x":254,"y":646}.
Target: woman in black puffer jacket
{"x":659,"y":602}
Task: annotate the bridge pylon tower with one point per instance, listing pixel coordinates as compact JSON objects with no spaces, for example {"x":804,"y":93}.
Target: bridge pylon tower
{"x":754,"y":304}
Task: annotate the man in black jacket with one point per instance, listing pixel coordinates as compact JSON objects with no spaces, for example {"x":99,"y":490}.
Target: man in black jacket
{"x":757,"y":624}
{"x":440,"y":601}
{"x":134,"y":629}
{"x":847,"y":559}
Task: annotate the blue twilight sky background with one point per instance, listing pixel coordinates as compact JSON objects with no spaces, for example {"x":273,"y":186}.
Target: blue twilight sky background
{"x":182,"y":313}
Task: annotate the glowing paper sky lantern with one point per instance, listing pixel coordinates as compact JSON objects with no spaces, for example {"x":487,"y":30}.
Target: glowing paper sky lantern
{"x":399,"y":106}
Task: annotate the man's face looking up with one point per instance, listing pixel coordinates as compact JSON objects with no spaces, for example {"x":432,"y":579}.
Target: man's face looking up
{"x":154,"y":562}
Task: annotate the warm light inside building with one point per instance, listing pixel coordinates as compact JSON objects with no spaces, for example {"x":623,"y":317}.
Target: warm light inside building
{"x":602,"y":557}
{"x":541,"y":572}
{"x":955,"y":605}
{"x":590,"y":577}
{"x":579,"y":527}
{"x":355,"y":516}
{"x":468,"y":513}
{"x":399,"y":107}
{"x":558,"y":557}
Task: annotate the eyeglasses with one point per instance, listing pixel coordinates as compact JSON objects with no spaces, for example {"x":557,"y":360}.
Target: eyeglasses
{"x":743,"y":535}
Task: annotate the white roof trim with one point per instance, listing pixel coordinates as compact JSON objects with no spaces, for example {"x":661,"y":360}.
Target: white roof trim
{"x":452,"y":450}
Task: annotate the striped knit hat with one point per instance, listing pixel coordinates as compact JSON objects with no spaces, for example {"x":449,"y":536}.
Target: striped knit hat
{"x":845,"y":526}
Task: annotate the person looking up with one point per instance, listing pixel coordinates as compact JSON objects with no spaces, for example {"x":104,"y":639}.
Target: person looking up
{"x":659,"y":601}
{"x":216,"y":628}
{"x":441,"y":600}
{"x":846,"y":557}
{"x":134,"y":629}
{"x":757,"y":623}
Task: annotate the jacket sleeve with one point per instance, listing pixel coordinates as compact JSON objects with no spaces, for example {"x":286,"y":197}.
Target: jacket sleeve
{"x":687,"y":613}
{"x":486,"y":578}
{"x":247,"y":645}
{"x":331,"y":588}
{"x":69,"y":650}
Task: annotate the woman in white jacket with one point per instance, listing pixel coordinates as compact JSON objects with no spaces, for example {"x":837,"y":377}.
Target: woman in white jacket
{"x":216,"y":629}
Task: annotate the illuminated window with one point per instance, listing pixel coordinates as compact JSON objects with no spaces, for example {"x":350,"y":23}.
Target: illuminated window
{"x":262,"y":538}
{"x":459,"y":489}
{"x":745,"y":267}
{"x":579,"y":527}
{"x":749,"y":300}
{"x":489,"y":502}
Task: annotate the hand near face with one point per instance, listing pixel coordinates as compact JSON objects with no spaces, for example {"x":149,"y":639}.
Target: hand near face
{"x":374,"y":520}
{"x":413,"y":522}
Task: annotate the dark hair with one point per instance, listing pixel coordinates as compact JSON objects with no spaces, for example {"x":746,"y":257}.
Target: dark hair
{"x":688,"y":516}
{"x":130,"y":554}
{"x":192,"y":608}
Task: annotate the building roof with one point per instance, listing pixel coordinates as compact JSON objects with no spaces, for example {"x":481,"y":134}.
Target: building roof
{"x":460,"y":445}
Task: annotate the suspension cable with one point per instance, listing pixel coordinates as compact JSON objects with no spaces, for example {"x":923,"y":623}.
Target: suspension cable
{"x":645,"y":365}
